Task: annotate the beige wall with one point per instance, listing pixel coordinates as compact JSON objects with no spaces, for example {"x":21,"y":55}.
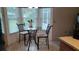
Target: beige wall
{"x":63,"y":20}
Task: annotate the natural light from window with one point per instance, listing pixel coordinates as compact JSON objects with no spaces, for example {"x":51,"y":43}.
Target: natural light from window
{"x":27,"y":14}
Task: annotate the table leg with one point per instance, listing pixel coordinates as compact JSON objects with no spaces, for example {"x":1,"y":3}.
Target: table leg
{"x":29,"y":41}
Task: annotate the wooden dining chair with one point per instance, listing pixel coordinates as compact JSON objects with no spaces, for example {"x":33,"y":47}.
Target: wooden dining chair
{"x":46,"y":36}
{"x":22,"y":32}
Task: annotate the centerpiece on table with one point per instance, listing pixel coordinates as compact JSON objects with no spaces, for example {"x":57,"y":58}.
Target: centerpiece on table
{"x":30,"y":23}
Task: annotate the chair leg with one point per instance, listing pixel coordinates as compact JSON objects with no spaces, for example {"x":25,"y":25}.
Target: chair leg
{"x":47,"y":42}
{"x":38,"y":43}
{"x":19,"y":38}
{"x":24,"y":39}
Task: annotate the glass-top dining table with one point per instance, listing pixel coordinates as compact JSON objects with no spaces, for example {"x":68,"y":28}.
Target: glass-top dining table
{"x":32,"y":35}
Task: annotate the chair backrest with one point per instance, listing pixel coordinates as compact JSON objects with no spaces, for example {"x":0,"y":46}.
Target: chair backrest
{"x":48,"y":29}
{"x":21,"y":27}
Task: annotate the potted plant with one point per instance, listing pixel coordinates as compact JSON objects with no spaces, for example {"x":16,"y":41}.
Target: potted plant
{"x":30,"y":23}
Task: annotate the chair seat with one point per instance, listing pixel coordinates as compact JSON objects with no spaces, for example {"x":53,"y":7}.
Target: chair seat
{"x":41,"y":34}
{"x":24,"y":32}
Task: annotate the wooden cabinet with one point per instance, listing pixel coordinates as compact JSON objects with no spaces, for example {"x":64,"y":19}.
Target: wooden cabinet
{"x":68,"y":43}
{"x":65,"y":47}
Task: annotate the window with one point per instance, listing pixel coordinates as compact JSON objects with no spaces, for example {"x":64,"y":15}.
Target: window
{"x":28,"y":14}
{"x":12,"y":19}
{"x":45,"y":16}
